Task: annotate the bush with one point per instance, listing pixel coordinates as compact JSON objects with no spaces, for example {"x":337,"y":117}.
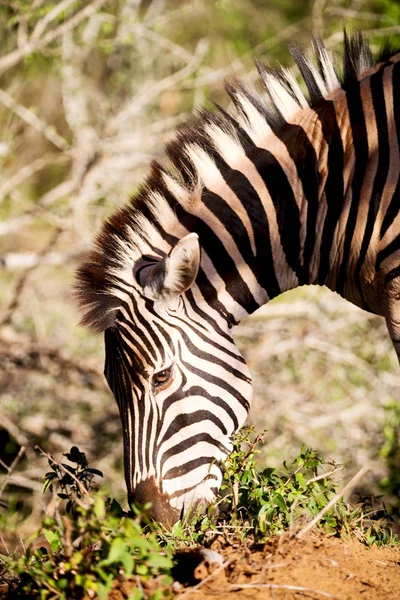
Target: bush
{"x":92,"y":545}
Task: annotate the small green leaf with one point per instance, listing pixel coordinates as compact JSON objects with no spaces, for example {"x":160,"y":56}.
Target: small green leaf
{"x":53,"y":537}
{"x":93,"y":471}
{"x":128,"y":563}
{"x":117,"y":550}
{"x":159,"y":561}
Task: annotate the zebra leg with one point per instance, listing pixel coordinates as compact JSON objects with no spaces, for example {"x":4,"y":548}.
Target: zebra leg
{"x":391,"y":307}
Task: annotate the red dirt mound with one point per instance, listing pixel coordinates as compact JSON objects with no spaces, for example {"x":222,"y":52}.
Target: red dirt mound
{"x":292,"y":569}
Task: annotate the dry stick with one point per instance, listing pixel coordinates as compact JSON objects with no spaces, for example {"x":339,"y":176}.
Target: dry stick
{"x":11,"y":468}
{"x":21,"y":281}
{"x":324,"y":475}
{"x":11,"y":182}
{"x":277,"y":586}
{"x":49,"y":17}
{"x":347,"y":487}
{"x":13,"y":58}
{"x":34,"y":121}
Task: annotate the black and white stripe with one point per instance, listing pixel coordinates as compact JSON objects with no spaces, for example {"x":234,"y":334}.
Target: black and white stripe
{"x":282,"y":191}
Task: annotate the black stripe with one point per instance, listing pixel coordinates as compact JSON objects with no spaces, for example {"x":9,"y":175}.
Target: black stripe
{"x":221,"y":259}
{"x":394,"y":206}
{"x":138,"y":349}
{"x":184,"y":420}
{"x":378,"y":98}
{"x":390,"y":249}
{"x":211,"y":358}
{"x":304,"y":156}
{"x":264,"y":267}
{"x":334,"y":186}
{"x":392,"y":210}
{"x":127,"y":333}
{"x":189,"y":318}
{"x":231,"y":222}
{"x":145,"y":436}
{"x":393,"y":274}
{"x":185,"y":392}
{"x":116,"y":374}
{"x":360,"y":143}
{"x":191,"y":465}
{"x":193,"y":487}
{"x":219,"y":383}
{"x":210,"y":294}
{"x":188,"y":443}
{"x":287,"y":211}
{"x":206,"y":338}
{"x":207,"y":289}
{"x":203,"y":315}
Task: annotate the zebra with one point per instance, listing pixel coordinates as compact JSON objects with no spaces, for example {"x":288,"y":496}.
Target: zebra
{"x":286,"y":188}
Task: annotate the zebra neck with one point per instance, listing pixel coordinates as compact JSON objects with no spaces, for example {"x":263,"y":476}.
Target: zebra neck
{"x":272,"y":221}
{"x":252,"y":224}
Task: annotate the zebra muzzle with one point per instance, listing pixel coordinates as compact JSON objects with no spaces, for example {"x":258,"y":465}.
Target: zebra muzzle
{"x":147,"y":492}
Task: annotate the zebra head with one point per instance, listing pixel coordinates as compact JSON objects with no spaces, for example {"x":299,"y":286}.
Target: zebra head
{"x":181,"y":385}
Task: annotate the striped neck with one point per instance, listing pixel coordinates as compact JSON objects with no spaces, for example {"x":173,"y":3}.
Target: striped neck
{"x":301,"y":207}
{"x":273,"y":189}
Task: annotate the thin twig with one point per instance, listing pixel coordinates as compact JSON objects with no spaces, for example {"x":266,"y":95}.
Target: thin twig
{"x":336,"y":497}
{"x":259,"y":438}
{"x":13,"y":58}
{"x":34,"y":121}
{"x":276,"y":586}
{"x":324,"y":475}
{"x":13,"y":181}
{"x":21,"y":281}
{"x":11,"y":468}
{"x":49,"y":17}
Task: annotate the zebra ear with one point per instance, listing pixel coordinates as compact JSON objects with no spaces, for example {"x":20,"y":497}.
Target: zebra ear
{"x":175,"y":273}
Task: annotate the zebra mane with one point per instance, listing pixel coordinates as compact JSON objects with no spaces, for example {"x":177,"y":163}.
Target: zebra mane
{"x":209,"y":141}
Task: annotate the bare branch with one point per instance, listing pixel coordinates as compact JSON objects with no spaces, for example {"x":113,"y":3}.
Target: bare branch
{"x":151,"y":91}
{"x":33,"y":120}
{"x":21,"y":281}
{"x":13,"y":58}
{"x":27,"y":171}
{"x":333,"y":501}
{"x":26,"y":260}
{"x":278,"y":586}
{"x":324,"y":475}
{"x":11,"y":468}
{"x":49,"y":17}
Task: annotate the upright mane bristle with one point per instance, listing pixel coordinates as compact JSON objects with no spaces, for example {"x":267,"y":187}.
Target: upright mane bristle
{"x":357,"y":57}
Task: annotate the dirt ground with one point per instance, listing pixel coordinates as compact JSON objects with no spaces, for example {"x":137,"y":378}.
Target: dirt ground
{"x":287,"y":569}
{"x":292,"y":569}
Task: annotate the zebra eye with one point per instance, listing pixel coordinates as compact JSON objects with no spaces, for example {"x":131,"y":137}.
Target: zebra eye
{"x":162,"y":378}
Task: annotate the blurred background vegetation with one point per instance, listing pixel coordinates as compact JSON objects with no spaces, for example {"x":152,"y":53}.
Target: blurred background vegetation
{"x":90,"y":91}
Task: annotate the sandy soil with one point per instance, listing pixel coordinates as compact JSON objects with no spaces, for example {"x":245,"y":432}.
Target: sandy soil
{"x":290,"y":569}
{"x":285,"y":568}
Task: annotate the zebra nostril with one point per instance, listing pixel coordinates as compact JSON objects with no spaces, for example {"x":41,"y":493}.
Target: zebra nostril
{"x":147,"y":492}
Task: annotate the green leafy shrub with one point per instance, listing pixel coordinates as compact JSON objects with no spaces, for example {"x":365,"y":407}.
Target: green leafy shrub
{"x":390,"y":452}
{"x":265,"y":502}
{"x":85,"y":556}
{"x":75,"y":482}
{"x":89,"y":549}
{"x":94,"y":545}
{"x":269,"y":501}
